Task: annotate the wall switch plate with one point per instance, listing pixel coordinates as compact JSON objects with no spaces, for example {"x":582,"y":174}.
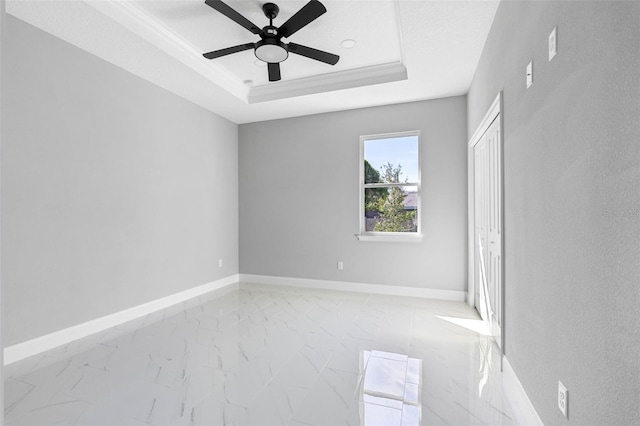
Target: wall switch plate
{"x":563,"y":399}
{"x":219,"y":263}
{"x":340,"y":265}
{"x":529,"y":74}
{"x":553,"y":43}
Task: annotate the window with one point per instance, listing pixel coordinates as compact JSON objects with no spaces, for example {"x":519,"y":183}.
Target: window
{"x":390,"y":187}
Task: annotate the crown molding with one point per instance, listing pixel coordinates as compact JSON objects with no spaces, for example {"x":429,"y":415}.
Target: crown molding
{"x":140,"y":23}
{"x":365,"y":76}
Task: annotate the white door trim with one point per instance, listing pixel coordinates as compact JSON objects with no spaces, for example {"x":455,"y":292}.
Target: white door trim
{"x":494,"y":111}
{"x":2,"y":32}
{"x":489,"y":117}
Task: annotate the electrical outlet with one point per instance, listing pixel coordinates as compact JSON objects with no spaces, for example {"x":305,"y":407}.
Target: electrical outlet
{"x":563,"y":399}
{"x":529,"y":74}
{"x":553,"y":43}
{"x":219,"y":263}
{"x":340,"y":265}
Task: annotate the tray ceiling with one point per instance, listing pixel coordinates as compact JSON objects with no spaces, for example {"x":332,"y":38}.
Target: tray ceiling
{"x":406,"y":50}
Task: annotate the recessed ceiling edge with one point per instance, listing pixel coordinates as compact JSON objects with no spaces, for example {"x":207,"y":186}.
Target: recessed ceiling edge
{"x":141,"y":24}
{"x":348,"y":79}
{"x":137,"y":21}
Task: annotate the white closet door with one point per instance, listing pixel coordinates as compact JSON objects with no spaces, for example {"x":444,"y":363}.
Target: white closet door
{"x":488,"y":226}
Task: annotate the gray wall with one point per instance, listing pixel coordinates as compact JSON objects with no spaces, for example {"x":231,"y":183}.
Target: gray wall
{"x":572,"y":202}
{"x":115,"y":192}
{"x":299,"y":197}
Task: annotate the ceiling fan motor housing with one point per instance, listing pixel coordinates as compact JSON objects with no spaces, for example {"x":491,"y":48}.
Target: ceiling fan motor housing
{"x":270,"y":49}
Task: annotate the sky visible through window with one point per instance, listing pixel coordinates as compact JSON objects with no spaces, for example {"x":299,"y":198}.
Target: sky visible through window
{"x":398,"y":150}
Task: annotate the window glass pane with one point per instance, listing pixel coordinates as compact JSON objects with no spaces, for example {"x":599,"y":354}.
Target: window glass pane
{"x":391,"y":159}
{"x":392,"y":209}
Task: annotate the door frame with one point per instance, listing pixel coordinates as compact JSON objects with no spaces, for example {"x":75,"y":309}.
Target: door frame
{"x":2,"y":36}
{"x":494,"y":110}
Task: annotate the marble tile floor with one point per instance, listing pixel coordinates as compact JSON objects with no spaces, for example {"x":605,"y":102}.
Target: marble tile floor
{"x":271,"y":355}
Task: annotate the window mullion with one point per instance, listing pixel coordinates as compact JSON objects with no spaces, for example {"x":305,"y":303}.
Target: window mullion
{"x":389,"y":185}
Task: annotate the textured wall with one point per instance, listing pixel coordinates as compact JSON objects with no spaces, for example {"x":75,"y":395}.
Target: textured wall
{"x":572,"y":202}
{"x":115,"y":192}
{"x":299,"y":197}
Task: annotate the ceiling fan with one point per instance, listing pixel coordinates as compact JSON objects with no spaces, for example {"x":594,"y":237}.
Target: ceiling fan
{"x":270,"y":48}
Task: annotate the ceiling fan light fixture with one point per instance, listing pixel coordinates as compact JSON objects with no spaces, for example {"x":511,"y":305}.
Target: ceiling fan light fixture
{"x":271,"y":51}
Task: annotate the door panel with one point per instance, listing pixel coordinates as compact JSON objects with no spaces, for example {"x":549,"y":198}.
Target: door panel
{"x":481,"y":227}
{"x":488,"y":226}
{"x":495,"y":220}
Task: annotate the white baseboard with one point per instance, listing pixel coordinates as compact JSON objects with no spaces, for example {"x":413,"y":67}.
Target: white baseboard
{"x":50,"y":341}
{"x":523,"y":411}
{"x":44,"y":343}
{"x":390,"y":290}
{"x":521,"y":407}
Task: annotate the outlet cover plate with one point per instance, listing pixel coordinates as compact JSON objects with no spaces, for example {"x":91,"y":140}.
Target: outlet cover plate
{"x":553,"y":43}
{"x":529,"y":74}
{"x":563,"y":398}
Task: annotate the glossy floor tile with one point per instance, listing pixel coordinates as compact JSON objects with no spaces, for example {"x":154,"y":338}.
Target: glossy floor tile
{"x":264,"y":355}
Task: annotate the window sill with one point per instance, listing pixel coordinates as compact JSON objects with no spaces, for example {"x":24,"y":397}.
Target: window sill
{"x":394,"y":238}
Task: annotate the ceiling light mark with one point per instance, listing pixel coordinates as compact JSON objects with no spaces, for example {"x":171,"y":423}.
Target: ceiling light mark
{"x":348,"y":43}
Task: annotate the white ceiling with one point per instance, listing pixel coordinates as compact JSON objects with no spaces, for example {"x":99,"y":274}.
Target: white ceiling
{"x":407,"y":50}
{"x":206,"y":29}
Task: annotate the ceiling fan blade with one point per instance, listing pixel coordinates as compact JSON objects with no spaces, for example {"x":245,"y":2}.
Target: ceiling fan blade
{"x":230,"y":13}
{"x":309,"y":52}
{"x":274,"y":72}
{"x":228,"y":50}
{"x":309,"y":12}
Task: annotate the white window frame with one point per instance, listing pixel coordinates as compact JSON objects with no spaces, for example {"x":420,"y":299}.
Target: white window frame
{"x":411,"y":237}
